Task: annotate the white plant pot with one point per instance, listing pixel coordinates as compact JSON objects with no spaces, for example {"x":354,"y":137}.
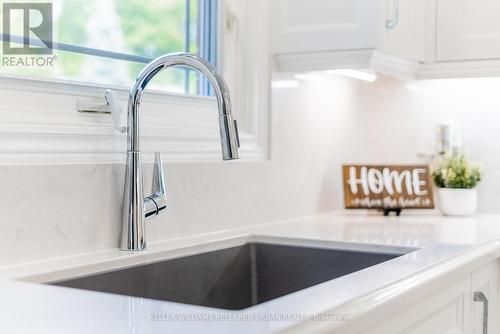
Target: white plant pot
{"x":457,"y":202}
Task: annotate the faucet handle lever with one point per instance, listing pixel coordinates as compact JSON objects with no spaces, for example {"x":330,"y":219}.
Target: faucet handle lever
{"x":237,"y":132}
{"x":157,"y":201}
{"x":158,"y":184}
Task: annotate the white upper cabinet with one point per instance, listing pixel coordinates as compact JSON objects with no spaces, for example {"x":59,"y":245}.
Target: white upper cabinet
{"x":404,"y":31}
{"x":468,"y":29}
{"x":411,"y":39}
{"x":323,"y":25}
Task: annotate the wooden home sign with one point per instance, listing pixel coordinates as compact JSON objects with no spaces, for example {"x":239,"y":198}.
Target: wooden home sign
{"x":387,"y":187}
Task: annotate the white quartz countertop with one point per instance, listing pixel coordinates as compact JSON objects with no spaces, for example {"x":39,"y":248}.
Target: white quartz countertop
{"x":446,"y":246}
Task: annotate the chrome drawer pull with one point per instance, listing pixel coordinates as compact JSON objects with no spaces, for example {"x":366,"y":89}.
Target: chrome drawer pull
{"x":480,"y":297}
{"x":392,"y":23}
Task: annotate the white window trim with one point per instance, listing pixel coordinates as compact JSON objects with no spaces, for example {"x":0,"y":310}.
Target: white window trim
{"x":40,"y":124}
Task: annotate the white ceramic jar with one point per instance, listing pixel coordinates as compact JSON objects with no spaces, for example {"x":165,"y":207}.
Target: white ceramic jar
{"x":457,"y":202}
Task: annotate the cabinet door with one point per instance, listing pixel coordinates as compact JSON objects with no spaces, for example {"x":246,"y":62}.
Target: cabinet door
{"x":319,"y":25}
{"x":407,"y":29}
{"x":468,"y":29}
{"x":485,"y":280}
{"x":444,"y":311}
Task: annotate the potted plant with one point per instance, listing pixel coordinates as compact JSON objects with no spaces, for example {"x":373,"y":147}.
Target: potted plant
{"x":456,"y":179}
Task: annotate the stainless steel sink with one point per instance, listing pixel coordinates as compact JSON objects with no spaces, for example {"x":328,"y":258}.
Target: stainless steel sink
{"x":233,"y":278}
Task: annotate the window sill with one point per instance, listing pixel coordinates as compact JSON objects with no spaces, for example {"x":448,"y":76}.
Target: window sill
{"x":41,"y":125}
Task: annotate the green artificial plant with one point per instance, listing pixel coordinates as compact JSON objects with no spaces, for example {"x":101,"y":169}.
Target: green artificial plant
{"x":456,"y":172}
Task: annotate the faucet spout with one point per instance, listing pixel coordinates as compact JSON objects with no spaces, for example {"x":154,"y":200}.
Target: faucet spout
{"x":228,"y":129}
{"x":136,"y":206}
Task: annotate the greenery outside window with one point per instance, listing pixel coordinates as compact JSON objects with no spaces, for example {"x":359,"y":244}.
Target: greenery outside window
{"x":107,"y":42}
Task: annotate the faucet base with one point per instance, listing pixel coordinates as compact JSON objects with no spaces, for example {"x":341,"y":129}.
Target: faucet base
{"x":133,"y":229}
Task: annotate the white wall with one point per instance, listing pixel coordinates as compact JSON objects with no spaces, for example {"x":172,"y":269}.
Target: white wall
{"x":391,"y":121}
{"x":400,"y":120}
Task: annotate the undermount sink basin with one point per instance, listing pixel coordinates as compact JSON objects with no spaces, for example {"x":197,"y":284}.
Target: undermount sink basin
{"x":233,"y":278}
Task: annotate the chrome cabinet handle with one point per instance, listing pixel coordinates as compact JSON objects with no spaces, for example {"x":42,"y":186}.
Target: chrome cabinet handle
{"x":392,"y":23}
{"x":480,"y":297}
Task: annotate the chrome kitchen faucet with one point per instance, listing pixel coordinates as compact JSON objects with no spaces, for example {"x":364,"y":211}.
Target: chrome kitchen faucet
{"x":136,"y":207}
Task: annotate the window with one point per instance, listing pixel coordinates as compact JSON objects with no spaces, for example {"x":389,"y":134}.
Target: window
{"x":109,"y":41}
{"x":39,"y":118}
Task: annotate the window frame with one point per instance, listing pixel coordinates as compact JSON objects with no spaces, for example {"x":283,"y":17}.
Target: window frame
{"x":183,"y":126}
